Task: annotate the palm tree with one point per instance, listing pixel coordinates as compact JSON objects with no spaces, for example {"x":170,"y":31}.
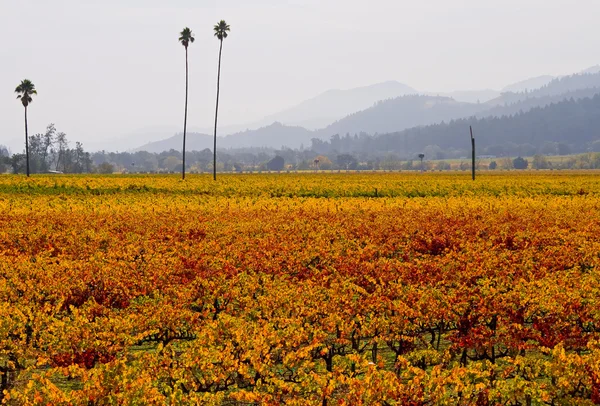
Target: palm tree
{"x":221,"y":30}
{"x":185,"y":37}
{"x":25,"y":90}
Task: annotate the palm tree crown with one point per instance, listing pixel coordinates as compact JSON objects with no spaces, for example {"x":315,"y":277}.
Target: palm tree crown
{"x":221,"y":30}
{"x":25,"y":90}
{"x":186,"y":37}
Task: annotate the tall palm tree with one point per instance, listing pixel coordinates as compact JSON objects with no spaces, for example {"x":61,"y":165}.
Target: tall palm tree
{"x":186,"y":38}
{"x":221,"y":30}
{"x":25,"y":90}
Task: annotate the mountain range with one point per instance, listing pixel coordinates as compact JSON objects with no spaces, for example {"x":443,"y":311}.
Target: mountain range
{"x":568,"y":126}
{"x":398,"y":108}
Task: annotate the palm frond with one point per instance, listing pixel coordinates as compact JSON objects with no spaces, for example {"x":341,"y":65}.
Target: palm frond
{"x":186,"y":37}
{"x":221,"y":30}
{"x":24,"y":91}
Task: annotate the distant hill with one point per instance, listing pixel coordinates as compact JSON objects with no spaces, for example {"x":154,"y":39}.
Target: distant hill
{"x":528,"y":84}
{"x":401,"y":113}
{"x":467,"y":96}
{"x":523,"y":106}
{"x":541,"y":81}
{"x":555,"y":87}
{"x":335,"y":104}
{"x":275,"y":135}
{"x":131,"y":140}
{"x":194,"y":142}
{"x":592,"y":69}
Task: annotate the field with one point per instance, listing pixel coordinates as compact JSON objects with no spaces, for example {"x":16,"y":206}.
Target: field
{"x":301,"y":289}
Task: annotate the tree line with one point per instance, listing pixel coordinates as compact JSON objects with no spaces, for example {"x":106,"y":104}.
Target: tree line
{"x":76,"y":160}
{"x":48,"y":152}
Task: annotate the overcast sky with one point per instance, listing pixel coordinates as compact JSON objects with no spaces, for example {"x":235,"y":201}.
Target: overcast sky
{"x":108,"y":68}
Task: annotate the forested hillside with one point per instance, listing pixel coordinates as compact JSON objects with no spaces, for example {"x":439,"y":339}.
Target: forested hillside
{"x":567,"y":126}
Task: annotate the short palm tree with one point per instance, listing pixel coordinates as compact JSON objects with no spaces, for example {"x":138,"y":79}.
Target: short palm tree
{"x":186,"y":38}
{"x":25,"y":90}
{"x":221,"y":30}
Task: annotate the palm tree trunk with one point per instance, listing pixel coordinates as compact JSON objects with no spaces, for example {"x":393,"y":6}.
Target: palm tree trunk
{"x":185,"y":115}
{"x":26,"y":143}
{"x":217,"y":114}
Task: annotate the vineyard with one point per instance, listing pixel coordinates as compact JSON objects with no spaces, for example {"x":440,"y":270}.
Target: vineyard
{"x":301,"y":289}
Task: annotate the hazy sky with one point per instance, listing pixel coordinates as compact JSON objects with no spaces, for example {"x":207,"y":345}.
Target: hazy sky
{"x":108,"y":68}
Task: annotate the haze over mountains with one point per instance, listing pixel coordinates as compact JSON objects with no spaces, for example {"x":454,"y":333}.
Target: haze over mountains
{"x":528,"y":84}
{"x":389,"y":107}
{"x":328,"y":107}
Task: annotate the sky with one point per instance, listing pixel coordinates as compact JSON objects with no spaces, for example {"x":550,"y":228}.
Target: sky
{"x":111,"y":68}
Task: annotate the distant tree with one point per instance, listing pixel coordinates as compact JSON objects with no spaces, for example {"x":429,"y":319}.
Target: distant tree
{"x":434,"y":152}
{"x":62,"y":145}
{"x":390,"y":162}
{"x":41,"y":150}
{"x":421,"y":156}
{"x":276,"y":164}
{"x":549,"y":148}
{"x":520,"y":163}
{"x":18,"y":163}
{"x":221,"y":31}
{"x":36,"y":153}
{"x":186,"y":38}
{"x":540,"y":162}
{"x":48,"y":140}
{"x":4,"y":159}
{"x":25,"y":92}
{"x":303,"y":165}
{"x":493,"y":165}
{"x":171,"y":163}
{"x":442,"y":166}
{"x":595,"y":161}
{"x":506,"y":163}
{"x":106,"y":168}
{"x":80,"y":159}
{"x":323,"y":162}
{"x":346,"y":161}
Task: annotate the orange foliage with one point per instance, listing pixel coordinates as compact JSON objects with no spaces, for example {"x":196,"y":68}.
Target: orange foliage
{"x":475,"y":294}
